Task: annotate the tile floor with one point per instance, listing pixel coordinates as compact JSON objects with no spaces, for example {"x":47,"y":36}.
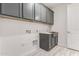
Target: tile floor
{"x":56,"y":51}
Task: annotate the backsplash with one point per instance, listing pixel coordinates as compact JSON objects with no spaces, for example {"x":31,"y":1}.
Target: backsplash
{"x":15,"y":27}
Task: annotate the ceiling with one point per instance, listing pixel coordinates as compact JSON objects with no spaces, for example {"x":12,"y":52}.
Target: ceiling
{"x":52,"y":5}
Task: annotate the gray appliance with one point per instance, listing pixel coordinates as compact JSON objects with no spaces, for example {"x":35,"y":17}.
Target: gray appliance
{"x":48,"y":41}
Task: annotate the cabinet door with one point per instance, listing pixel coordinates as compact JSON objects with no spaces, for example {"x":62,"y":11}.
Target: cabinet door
{"x":49,"y":16}
{"x":28,"y":10}
{"x":37,"y":12}
{"x":44,"y":41}
{"x":43,"y":13}
{"x":20,"y":10}
{"x":11,"y":9}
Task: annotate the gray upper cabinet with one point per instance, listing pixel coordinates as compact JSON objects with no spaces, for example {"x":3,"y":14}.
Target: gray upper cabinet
{"x":37,"y":12}
{"x":43,"y":13}
{"x":11,"y":9}
{"x":49,"y":17}
{"x":28,"y":10}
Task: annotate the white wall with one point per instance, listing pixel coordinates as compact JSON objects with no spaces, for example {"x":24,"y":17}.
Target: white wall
{"x":60,"y":18}
{"x":14,"y":40}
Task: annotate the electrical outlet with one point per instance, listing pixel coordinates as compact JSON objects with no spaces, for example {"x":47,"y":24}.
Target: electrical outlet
{"x":28,"y":31}
{"x":35,"y":42}
{"x":22,"y":44}
{"x":37,"y":31}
